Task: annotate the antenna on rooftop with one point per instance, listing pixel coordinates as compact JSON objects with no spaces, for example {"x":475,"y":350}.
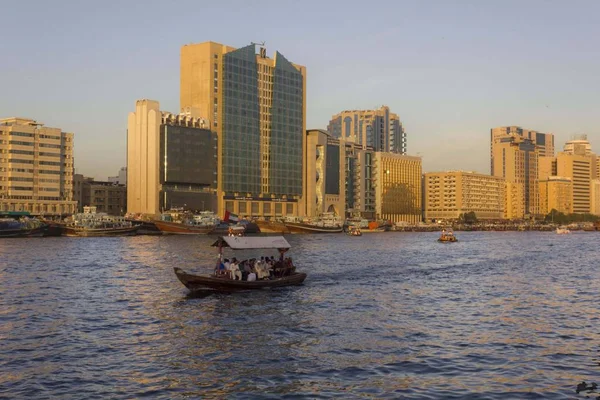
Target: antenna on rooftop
{"x":258,"y":44}
{"x":263,"y":50}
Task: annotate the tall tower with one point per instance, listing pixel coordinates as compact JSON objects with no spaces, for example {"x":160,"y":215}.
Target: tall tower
{"x":379,"y":129}
{"x":516,"y":160}
{"x":543,"y":142}
{"x":257,"y":106}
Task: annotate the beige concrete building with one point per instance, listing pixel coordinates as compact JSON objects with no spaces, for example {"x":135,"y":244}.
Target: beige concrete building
{"x":516,"y":160}
{"x":343,"y":177}
{"x":595,"y":197}
{"x":556,"y":193}
{"x":171,"y":161}
{"x":107,"y":197}
{"x":514,"y":201}
{"x":579,"y":169}
{"x":452,"y":193}
{"x":398,"y":187}
{"x":36,"y":168}
{"x":544,"y":142}
{"x":380,"y":130}
{"x":546,"y":167}
{"x":257,"y":107}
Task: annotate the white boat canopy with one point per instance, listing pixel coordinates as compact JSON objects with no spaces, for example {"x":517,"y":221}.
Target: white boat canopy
{"x":252,"y":242}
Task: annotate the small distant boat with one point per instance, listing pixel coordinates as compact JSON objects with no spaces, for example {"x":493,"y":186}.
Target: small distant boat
{"x":283,"y":276}
{"x":447,"y":236}
{"x":89,"y":223}
{"x":354,"y":231}
{"x":562,"y":231}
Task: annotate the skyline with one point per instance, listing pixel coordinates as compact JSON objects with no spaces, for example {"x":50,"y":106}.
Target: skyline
{"x":450,"y":71}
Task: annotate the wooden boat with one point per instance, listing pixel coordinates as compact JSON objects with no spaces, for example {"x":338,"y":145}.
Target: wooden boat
{"x":24,"y":227}
{"x":271,"y":226}
{"x":354,"y":231}
{"x":447,"y":237}
{"x":562,"y":231}
{"x":178,"y":228}
{"x":206,"y":281}
{"x":93,"y":224}
{"x":225,"y":283}
{"x":100,"y":232}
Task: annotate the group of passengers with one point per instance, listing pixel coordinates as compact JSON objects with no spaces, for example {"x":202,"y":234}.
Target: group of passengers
{"x":255,"y":269}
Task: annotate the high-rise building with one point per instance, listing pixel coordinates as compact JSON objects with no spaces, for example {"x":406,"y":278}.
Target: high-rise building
{"x":515,"y":159}
{"x":378,"y":129}
{"x":556,"y":193}
{"x":397,"y":187}
{"x":36,"y":168}
{"x":343,"y":177}
{"x":579,"y":169}
{"x":452,"y":193}
{"x":171,"y":161}
{"x":257,"y":107}
{"x":544,"y":142}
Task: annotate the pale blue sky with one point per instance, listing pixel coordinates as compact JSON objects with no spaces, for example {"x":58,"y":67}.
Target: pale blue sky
{"x":450,"y":69}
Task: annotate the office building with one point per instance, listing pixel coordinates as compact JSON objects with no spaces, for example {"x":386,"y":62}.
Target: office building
{"x":452,"y":193}
{"x":36,"y":168}
{"x":171,"y":161}
{"x":343,"y":180}
{"x":107,"y":197}
{"x":397,"y":187}
{"x":595,"y":197}
{"x":579,"y":169}
{"x":556,"y":193}
{"x":378,"y":129}
{"x":120,"y":178}
{"x":515,"y":159}
{"x":257,"y":107}
{"x":543,"y":142}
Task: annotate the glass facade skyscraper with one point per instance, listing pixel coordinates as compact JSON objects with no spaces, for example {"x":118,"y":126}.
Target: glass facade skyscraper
{"x":257,"y":106}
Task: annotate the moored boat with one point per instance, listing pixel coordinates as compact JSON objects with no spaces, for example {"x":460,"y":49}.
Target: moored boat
{"x":272,"y":226}
{"x":93,"y":224}
{"x":562,"y":231}
{"x":326,"y":223}
{"x":200,"y":224}
{"x":283,"y":274}
{"x":20,"y":225}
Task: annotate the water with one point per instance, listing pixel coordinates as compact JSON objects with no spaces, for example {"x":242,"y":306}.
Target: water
{"x":506,"y":315}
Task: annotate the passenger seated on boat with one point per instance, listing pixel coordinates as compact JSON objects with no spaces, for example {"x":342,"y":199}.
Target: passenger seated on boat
{"x":234,"y":269}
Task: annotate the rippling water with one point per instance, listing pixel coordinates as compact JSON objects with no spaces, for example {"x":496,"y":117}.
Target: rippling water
{"x":394,"y":315}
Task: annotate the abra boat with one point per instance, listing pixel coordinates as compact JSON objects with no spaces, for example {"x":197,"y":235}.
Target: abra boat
{"x":89,"y":223}
{"x":199,"y":224}
{"x":225,"y":283}
{"x":562,"y":231}
{"x":447,"y":237}
{"x":327,"y":223}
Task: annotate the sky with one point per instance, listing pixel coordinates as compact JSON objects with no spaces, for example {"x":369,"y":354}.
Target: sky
{"x":450,"y":69}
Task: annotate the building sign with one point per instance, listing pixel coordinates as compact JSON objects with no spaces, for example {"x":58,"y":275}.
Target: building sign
{"x":251,"y":198}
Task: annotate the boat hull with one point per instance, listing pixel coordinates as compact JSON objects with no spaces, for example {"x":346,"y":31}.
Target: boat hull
{"x":203,"y":282}
{"x":174,"y":228}
{"x":295,"y":227}
{"x":13,"y":233}
{"x":272,"y":227}
{"x":83,"y":232}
